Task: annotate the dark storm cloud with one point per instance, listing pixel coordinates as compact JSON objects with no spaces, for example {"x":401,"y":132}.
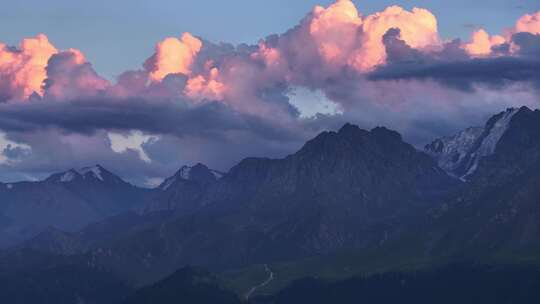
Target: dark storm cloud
{"x":529,"y":44}
{"x":455,"y":69}
{"x":495,"y":72}
{"x":156,"y":117}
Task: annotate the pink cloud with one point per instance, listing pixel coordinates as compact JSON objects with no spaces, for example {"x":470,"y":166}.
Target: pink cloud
{"x":529,"y":23}
{"x":330,"y":48}
{"x":70,"y":76}
{"x":481,"y":43}
{"x":172,"y":56}
{"x":22,"y":70}
{"x":209,"y":87}
{"x":418,"y":29}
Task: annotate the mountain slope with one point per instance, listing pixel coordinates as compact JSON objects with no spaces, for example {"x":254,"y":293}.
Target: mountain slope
{"x":187,"y":285}
{"x":460,"y":154}
{"x":498,"y":213}
{"x":95,"y":235}
{"x":28,"y":276}
{"x":67,"y":201}
{"x":454,"y":283}
{"x":346,"y":189}
{"x":182,"y":191}
{"x":354,"y":191}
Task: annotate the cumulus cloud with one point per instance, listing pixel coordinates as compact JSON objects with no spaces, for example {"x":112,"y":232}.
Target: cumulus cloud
{"x":173,"y":56}
{"x":70,"y":76}
{"x":482,"y":43}
{"x":529,"y":23}
{"x":335,"y":30}
{"x":418,"y":29}
{"x":132,"y":141}
{"x":217,"y":102}
{"x":22,"y":69}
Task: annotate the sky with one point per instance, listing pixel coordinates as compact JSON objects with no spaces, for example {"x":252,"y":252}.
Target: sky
{"x":145,"y":87}
{"x":118,"y":35}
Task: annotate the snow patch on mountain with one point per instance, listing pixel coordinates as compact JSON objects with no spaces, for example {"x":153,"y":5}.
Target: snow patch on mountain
{"x":489,"y":142}
{"x":186,"y":173}
{"x":167,"y":183}
{"x":452,"y":150}
{"x":460,"y":154}
{"x":94,"y":171}
{"x":217,"y":175}
{"x":68,"y":176}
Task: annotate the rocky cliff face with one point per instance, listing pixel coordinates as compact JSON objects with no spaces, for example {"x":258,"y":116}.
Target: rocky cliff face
{"x":498,"y":212}
{"x":461,"y":154}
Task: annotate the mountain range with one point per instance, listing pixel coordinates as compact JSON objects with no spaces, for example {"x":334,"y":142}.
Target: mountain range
{"x":349,"y":202}
{"x":67,"y":201}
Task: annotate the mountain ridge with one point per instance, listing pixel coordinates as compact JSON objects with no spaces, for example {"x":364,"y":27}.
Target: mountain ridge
{"x":67,"y":200}
{"x":461,"y":153}
{"x":352,"y":190}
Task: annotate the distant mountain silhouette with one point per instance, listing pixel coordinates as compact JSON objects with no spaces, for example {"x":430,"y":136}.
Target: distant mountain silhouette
{"x":67,"y":201}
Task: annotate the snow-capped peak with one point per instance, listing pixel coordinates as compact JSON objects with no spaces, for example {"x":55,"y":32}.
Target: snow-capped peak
{"x":94,"y":173}
{"x":183,"y":173}
{"x":460,"y":154}
{"x":197,"y":173}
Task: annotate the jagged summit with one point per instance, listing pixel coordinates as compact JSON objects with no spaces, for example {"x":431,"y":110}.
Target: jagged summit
{"x":183,"y":190}
{"x":461,"y":154}
{"x":351,"y":137}
{"x":94,"y":173}
{"x":198,"y":173}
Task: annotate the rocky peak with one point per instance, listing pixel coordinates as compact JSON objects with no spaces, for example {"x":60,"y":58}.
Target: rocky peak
{"x":86,"y":174}
{"x":349,"y":165}
{"x":198,"y":173}
{"x":461,"y":154}
{"x":352,"y":138}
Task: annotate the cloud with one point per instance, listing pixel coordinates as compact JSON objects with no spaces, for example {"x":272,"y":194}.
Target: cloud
{"x":91,"y":132}
{"x":205,"y":88}
{"x":529,"y":23}
{"x":134,"y":141}
{"x":418,"y":29}
{"x":173,"y":56}
{"x":12,"y":151}
{"x":523,"y":67}
{"x":528,"y":45}
{"x":70,"y":76}
{"x":482,"y":43}
{"x":180,"y":118}
{"x":334,"y":30}
{"x":22,"y":69}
